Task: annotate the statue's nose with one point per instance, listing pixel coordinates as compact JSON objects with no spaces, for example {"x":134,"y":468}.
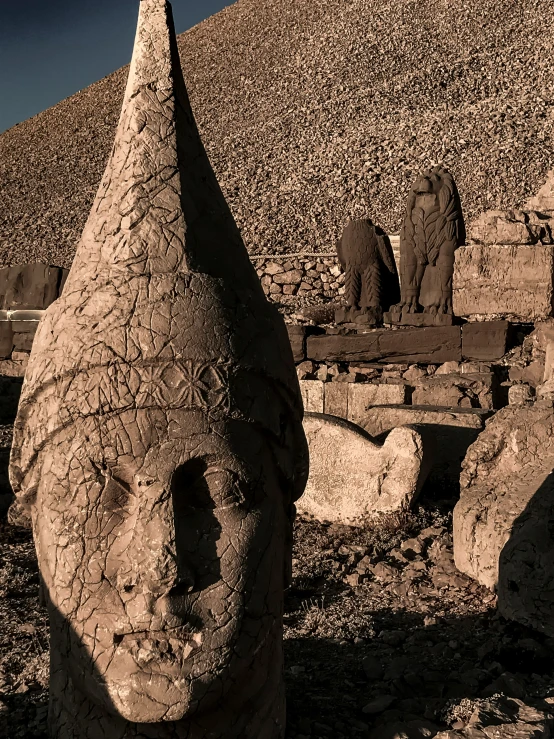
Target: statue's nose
{"x":152,"y":557}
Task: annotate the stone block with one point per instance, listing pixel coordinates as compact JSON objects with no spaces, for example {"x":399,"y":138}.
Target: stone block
{"x":312,"y":395}
{"x":485,"y":340}
{"x":510,"y":282}
{"x":293,"y":277}
{"x":23,"y":341}
{"x":433,"y":345}
{"x":323,"y":313}
{"x":336,"y":399}
{"x":297,"y":337}
{"x":6,"y":339}
{"x":504,"y":520}
{"x":520,"y":394}
{"x":352,"y":477}
{"x":30,"y":286}
{"x":447,"y":434}
{"x":544,"y":199}
{"x":458,"y":391}
{"x":363,"y":396}
{"x":512,"y":227}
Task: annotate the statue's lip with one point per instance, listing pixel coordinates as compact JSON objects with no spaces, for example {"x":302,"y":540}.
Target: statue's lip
{"x":181,"y":633}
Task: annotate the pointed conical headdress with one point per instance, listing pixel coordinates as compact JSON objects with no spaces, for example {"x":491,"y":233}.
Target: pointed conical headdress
{"x":162,"y":307}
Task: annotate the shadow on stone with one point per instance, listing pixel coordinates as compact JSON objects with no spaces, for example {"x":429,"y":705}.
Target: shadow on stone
{"x":526,"y":563}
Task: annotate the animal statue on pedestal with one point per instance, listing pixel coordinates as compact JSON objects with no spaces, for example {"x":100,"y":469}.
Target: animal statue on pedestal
{"x":371,"y":278}
{"x":433,"y":229}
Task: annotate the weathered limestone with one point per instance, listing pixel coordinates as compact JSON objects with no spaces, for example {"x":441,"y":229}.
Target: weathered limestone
{"x":504,"y":520}
{"x":371,"y":280}
{"x":485,"y":341}
{"x":468,"y":390}
{"x":351,"y":477}
{"x":433,"y":229}
{"x":159,"y":445}
{"x":349,"y":400}
{"x":30,"y":286}
{"x":447,"y":434}
{"x":433,"y":345}
{"x":17,"y":331}
{"x":510,"y":282}
{"x":513,"y":227}
{"x":543,"y":201}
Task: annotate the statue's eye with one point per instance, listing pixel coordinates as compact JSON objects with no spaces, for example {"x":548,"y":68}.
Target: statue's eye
{"x":189,"y":489}
{"x":197,"y":486}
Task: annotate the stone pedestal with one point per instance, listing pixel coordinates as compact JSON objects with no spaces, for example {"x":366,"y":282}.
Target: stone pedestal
{"x":359,"y":316}
{"x":417,"y":319}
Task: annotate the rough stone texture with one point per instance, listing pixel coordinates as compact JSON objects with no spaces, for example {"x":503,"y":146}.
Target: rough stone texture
{"x":30,"y":286}
{"x":506,"y":718}
{"x":513,"y":227}
{"x":159,"y":445}
{"x":349,"y":400}
{"x":313,"y":395}
{"x":458,"y":390}
{"x":362,"y":397}
{"x":544,"y":199}
{"x":447,"y":434}
{"x":317,"y":138}
{"x":297,"y":338}
{"x":371,"y":279}
{"x":511,"y":282}
{"x":503,"y":522}
{"x":426,"y":345}
{"x":485,"y":340}
{"x":351,"y":477}
{"x":418,"y":319}
{"x":432,"y":230}
{"x":520,"y":394}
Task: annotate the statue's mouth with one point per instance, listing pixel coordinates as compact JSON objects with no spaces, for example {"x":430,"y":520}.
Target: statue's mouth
{"x":182,"y":633}
{"x":149,"y":648}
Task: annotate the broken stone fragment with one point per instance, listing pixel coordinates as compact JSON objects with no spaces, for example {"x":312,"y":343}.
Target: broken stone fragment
{"x":352,"y":477}
{"x":503,"y":522}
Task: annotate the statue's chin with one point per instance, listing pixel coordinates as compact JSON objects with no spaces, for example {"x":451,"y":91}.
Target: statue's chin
{"x":147,"y":698}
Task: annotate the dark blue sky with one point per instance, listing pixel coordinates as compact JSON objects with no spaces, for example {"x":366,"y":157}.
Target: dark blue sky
{"x":49,"y":49}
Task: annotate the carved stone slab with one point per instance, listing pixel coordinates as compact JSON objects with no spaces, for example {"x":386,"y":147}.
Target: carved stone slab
{"x":431,"y":345}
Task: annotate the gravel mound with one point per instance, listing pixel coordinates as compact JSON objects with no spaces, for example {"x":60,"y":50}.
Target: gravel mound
{"x":313,"y":112}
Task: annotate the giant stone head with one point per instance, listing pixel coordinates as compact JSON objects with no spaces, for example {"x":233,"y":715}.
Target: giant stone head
{"x":159,"y":444}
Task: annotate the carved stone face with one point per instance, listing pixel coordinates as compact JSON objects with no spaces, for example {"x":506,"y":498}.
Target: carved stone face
{"x":162,"y":540}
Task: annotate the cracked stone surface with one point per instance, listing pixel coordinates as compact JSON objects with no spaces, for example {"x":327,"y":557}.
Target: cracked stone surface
{"x":159,"y":445}
{"x":503,"y":522}
{"x":352,"y":477}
